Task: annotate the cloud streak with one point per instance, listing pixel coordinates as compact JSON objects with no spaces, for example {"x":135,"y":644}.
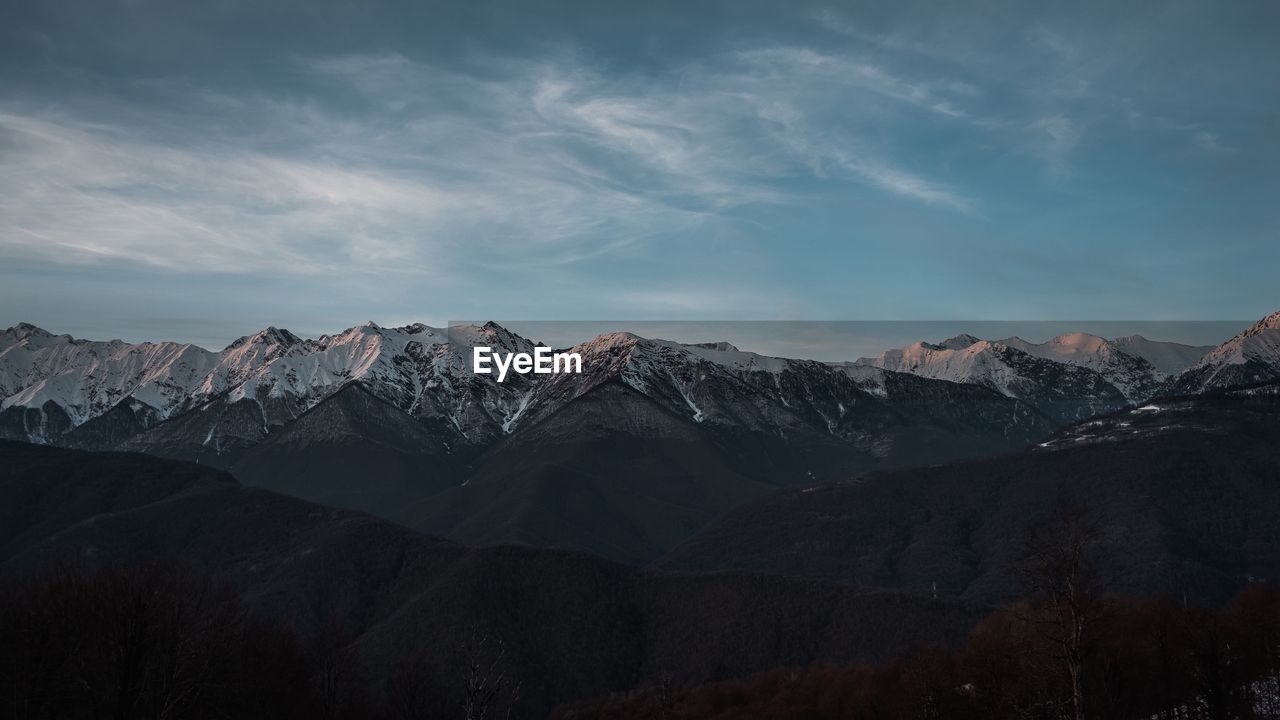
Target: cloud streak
{"x":545,"y":164}
{"x":888,"y":159}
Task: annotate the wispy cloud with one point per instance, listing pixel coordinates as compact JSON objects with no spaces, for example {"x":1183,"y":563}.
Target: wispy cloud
{"x":578,"y":161}
{"x":1212,"y":144}
{"x":962,"y":54}
{"x":1055,"y":136}
{"x":545,"y":164}
{"x":75,"y":192}
{"x":850,"y":73}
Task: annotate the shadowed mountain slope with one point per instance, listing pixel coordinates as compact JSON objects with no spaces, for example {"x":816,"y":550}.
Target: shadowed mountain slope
{"x":353,"y":450}
{"x":1183,"y":493}
{"x":575,"y":626}
{"x":612,"y":473}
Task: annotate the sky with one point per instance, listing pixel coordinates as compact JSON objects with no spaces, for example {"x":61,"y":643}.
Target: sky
{"x":196,"y":171}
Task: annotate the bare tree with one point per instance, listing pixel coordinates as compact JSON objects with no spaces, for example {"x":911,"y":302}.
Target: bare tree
{"x":337,"y":680}
{"x":410,"y":695}
{"x":484,"y":676}
{"x":665,"y":698}
{"x":1058,"y":568}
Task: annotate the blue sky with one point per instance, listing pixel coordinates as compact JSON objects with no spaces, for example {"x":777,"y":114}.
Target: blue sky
{"x":195,"y":171}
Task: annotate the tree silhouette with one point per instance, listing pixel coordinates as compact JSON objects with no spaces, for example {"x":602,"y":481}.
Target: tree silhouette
{"x":1061,"y":575}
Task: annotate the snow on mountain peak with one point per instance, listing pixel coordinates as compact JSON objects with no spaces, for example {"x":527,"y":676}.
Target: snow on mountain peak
{"x":269,"y":336}
{"x":722,"y":346}
{"x":421,"y":370}
{"x":1250,"y":357}
{"x":23,"y":330}
{"x":956,"y":364}
{"x":416,"y":329}
{"x":1169,"y":358}
{"x":1081,"y":342}
{"x":1260,"y":343}
{"x":489,"y":334}
{"x":959,"y":342}
{"x":1077,"y":348}
{"x":86,"y":378}
{"x":705,"y":382}
{"x":1270,"y":322}
{"x":1003,"y":365}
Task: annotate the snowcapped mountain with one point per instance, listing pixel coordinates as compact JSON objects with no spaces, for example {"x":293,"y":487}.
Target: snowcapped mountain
{"x":1135,"y":377}
{"x":53,"y":384}
{"x":1061,"y":390}
{"x":185,"y":401}
{"x":1169,"y":358}
{"x":1070,"y":376}
{"x":1253,"y":356}
{"x":626,"y":459}
{"x":85,"y":378}
{"x":719,"y":385}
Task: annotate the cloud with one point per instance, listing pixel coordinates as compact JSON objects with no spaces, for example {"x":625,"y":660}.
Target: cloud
{"x":77,"y":193}
{"x":1212,"y":144}
{"x":396,"y":166}
{"x":851,"y":73}
{"x":1056,"y":136}
{"x":945,"y":49}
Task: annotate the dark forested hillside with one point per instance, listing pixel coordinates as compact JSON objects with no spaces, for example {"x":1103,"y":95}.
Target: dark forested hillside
{"x":1183,"y":492}
{"x":1152,"y":659}
{"x":571,"y":626}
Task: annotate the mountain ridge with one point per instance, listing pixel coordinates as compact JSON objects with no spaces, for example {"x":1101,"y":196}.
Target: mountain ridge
{"x":1251,"y":356}
{"x":1134,"y":366}
{"x":390,"y":421}
{"x":415,"y":366}
{"x":419,"y":369}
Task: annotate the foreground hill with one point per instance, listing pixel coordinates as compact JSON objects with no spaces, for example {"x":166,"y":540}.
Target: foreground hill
{"x":574,"y":626}
{"x":1183,"y":493}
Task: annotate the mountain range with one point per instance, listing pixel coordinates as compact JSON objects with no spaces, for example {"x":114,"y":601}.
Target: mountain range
{"x":1182,"y":493}
{"x":738,"y":512}
{"x":653,"y":440}
{"x":1069,"y":377}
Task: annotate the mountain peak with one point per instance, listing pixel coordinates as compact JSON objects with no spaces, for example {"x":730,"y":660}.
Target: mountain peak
{"x":1260,"y":340}
{"x":24,"y":330}
{"x":610,"y":339}
{"x":413,"y":328}
{"x":959,"y":342}
{"x":1270,"y":322}
{"x":1250,"y":357}
{"x":271,"y":335}
{"x":721,"y":345}
{"x":1081,"y":341}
